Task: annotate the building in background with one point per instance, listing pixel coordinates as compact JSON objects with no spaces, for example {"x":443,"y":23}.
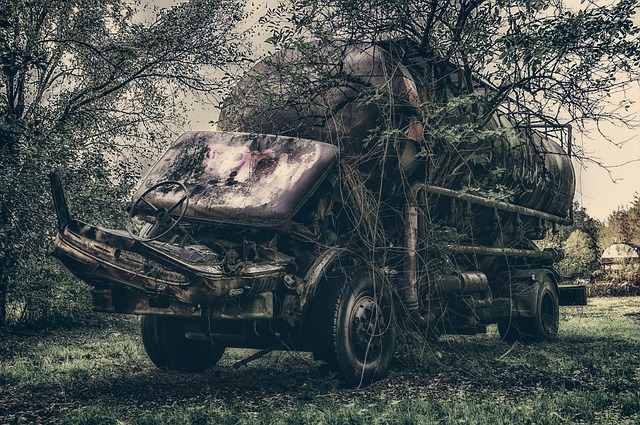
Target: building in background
{"x":619,"y":254}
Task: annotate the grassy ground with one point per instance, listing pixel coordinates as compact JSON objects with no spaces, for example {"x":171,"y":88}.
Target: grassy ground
{"x":102,"y":375}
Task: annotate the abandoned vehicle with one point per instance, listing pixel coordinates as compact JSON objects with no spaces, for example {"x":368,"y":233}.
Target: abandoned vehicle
{"x":302,"y":227}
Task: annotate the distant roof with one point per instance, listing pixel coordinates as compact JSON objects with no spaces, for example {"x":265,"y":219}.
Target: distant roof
{"x":620,"y":250}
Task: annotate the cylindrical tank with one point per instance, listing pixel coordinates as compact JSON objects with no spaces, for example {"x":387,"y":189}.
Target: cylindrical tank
{"x":360,"y":96}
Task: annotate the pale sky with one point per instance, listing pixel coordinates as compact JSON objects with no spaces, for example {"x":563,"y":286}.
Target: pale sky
{"x":603,"y":191}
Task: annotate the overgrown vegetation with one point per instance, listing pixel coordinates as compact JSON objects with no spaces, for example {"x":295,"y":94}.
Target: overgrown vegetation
{"x":91,"y":90}
{"x":102,"y":376}
{"x":484,"y":75}
{"x":623,"y":225}
{"x":584,"y":242}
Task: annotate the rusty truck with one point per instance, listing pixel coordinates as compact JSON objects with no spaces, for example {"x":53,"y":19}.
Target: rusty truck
{"x":281,"y":231}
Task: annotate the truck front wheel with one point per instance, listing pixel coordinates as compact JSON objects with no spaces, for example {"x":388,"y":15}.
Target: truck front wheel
{"x":356,"y":327}
{"x":543,"y":325}
{"x":168,"y":348}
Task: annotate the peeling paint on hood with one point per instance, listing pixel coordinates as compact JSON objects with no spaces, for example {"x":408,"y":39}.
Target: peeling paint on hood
{"x":240,"y":178}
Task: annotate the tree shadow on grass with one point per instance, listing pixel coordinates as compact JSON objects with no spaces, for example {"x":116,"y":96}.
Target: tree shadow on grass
{"x":476,"y":367}
{"x":482,"y":366}
{"x":486,"y":365}
{"x":288,"y":379}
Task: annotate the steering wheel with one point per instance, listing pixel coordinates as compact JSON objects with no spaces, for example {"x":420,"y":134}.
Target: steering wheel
{"x":161,"y":218}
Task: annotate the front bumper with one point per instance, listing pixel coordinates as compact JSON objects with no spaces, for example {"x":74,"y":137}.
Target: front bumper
{"x":191,"y":274}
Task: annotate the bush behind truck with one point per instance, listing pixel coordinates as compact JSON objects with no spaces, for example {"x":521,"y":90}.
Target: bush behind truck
{"x":325,"y":216}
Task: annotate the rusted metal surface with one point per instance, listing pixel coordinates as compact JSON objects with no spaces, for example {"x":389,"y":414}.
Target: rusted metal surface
{"x":307,"y":108}
{"x":503,"y":252}
{"x":316,"y":272}
{"x":463,"y":283}
{"x":240,"y":178}
{"x":259,"y":307}
{"x":533,"y":169}
{"x":115,"y":299}
{"x":410,"y":290}
{"x":255,"y":224}
{"x":503,"y":206}
{"x":106,"y":256}
{"x":534,"y":166}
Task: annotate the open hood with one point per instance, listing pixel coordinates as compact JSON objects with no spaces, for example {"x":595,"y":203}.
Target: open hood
{"x":240,"y":178}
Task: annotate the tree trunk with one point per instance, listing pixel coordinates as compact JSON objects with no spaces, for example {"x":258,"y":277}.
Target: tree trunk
{"x":5,"y":260}
{"x":3,"y":300}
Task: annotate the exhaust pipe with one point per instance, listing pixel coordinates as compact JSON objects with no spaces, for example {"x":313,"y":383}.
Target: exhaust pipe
{"x":410,"y":291}
{"x":59,"y":201}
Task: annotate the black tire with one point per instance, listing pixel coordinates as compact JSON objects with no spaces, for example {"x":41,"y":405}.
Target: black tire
{"x":543,"y":326}
{"x":354,"y":328}
{"x":165,"y":343}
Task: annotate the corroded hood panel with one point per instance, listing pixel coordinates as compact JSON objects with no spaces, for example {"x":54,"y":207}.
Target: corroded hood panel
{"x":240,"y":178}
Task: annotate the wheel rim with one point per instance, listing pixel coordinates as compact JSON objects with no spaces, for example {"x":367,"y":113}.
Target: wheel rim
{"x":366,"y":327}
{"x":549,"y":314}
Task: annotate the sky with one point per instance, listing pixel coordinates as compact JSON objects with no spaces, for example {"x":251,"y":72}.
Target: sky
{"x":602,"y":191}
{"x":600,"y":188}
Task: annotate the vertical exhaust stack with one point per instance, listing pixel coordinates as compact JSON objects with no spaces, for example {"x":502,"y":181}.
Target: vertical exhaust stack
{"x":410,"y":291}
{"x":59,"y":201}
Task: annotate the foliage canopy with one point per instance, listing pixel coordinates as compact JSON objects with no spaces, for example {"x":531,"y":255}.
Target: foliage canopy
{"x":89,"y":88}
{"x":560,"y":59}
{"x":551,"y":65}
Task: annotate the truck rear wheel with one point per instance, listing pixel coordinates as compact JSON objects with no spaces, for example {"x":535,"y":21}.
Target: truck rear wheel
{"x":355,"y":327}
{"x":168,"y":348}
{"x":543,"y":326}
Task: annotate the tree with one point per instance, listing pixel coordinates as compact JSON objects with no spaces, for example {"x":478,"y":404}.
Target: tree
{"x":486,"y":73}
{"x":561,"y":62}
{"x":90,"y":89}
{"x":584,"y":230}
{"x":580,"y":257}
{"x":623,"y":226}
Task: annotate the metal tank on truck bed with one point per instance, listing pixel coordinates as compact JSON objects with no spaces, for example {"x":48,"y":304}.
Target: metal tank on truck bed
{"x":324,"y":216}
{"x":336,"y":107}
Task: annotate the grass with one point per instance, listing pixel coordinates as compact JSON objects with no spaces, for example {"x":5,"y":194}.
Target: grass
{"x":102,"y":376}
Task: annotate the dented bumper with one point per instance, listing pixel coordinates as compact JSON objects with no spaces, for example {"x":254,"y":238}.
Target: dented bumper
{"x":190,"y":274}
